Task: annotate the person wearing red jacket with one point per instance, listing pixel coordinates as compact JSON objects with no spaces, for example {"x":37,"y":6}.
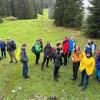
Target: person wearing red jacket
{"x":65,"y":48}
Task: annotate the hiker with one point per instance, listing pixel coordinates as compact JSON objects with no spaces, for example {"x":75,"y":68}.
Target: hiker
{"x":98,"y":65}
{"x":57,"y":61}
{"x":47,"y":54}
{"x":11,"y":47}
{"x":65,"y":48}
{"x":88,"y":46}
{"x":87,"y":67}
{"x":76,"y":58}
{"x":3,"y":49}
{"x":71,"y":46}
{"x":24,"y":60}
{"x":38,"y":50}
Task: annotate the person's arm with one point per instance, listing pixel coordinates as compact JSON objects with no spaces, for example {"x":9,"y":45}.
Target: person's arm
{"x":92,"y":67}
{"x":81,"y":65}
{"x":23,"y":58}
{"x":93,"y":49}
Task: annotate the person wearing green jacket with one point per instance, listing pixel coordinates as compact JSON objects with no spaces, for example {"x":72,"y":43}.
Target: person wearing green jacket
{"x":38,"y":50}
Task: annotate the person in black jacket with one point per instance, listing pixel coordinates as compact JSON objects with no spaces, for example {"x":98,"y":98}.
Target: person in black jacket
{"x":47,"y":54}
{"x":57,"y":61}
{"x":24,"y":60}
{"x":11,"y":47}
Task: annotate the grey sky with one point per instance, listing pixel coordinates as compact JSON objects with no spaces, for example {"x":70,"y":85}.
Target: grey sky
{"x":86,"y":3}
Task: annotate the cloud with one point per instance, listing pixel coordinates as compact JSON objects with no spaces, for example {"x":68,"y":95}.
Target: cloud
{"x":86,"y":3}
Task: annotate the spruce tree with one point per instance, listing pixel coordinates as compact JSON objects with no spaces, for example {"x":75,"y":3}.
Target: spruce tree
{"x":93,"y":28}
{"x":69,"y":13}
{"x":3,"y":9}
{"x":39,"y":6}
{"x":73,"y":14}
{"x":59,"y":12}
{"x":25,"y":9}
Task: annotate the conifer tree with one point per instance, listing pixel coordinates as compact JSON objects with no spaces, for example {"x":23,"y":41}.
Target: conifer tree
{"x":93,"y":28}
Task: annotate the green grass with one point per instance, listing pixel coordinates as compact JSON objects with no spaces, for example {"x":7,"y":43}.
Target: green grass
{"x":40,"y":83}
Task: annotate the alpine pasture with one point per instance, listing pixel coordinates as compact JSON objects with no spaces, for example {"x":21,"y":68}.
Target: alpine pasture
{"x":41,"y":84}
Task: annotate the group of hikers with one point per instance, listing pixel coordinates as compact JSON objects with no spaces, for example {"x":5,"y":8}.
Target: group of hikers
{"x":83,"y":60}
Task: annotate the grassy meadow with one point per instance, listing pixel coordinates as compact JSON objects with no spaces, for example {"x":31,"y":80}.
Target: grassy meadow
{"x":41,"y":83}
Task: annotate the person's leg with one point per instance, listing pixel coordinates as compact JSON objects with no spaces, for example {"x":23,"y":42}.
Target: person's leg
{"x":65,"y":59}
{"x":44,"y":60}
{"x":69,"y":54}
{"x":5,"y":53}
{"x":26,"y":69}
{"x":2,"y":53}
{"x":36,"y":54}
{"x":99,"y":74}
{"x":58,"y":71}
{"x":76,"y":69}
{"x":37,"y":58}
{"x":10,"y":54}
{"x":82,"y":78}
{"x":23,"y":69}
{"x":13,"y":55}
{"x":55,"y":73}
{"x":86,"y":82}
{"x":47,"y":63}
{"x":74,"y":66}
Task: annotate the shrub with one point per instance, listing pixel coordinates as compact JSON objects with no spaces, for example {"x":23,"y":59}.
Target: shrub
{"x":11,"y":18}
{"x":1,"y":20}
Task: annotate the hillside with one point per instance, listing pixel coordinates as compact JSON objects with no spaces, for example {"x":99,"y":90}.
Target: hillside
{"x":40,"y":83}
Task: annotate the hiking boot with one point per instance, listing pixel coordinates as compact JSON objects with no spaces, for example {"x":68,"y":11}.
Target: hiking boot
{"x":59,"y":76}
{"x":98,"y":81}
{"x":80,"y":85}
{"x":56,"y":79}
{"x":11,"y":62}
{"x":84,"y":88}
{"x":73,"y":79}
{"x":16,"y":62}
{"x":27,"y":77}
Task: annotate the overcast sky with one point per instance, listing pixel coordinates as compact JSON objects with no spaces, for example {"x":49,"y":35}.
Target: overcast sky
{"x":86,"y":3}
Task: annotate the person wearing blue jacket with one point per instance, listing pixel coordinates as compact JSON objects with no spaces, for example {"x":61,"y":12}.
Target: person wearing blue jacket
{"x":3,"y":49}
{"x":71,"y":46}
{"x":98,"y":65}
{"x":88,"y":46}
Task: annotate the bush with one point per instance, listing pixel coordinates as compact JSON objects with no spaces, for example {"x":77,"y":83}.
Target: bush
{"x":1,"y":21}
{"x":11,"y":18}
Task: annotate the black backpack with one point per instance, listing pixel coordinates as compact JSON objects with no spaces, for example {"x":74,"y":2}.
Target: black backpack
{"x":33,"y":49}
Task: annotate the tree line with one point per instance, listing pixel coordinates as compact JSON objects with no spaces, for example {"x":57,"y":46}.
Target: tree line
{"x":67,"y":13}
{"x":23,"y":9}
{"x":70,"y":13}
